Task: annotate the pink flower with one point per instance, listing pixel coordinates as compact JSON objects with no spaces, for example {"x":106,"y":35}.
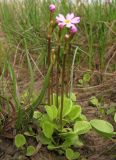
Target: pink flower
{"x":69,"y":21}
{"x":52,"y":7}
{"x":73,"y":29}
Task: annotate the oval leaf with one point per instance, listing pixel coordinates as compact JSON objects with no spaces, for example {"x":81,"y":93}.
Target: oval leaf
{"x":73,"y":97}
{"x":48,"y":129}
{"x":37,"y":114}
{"x":69,"y":154}
{"x":82,"y":127}
{"x":67,"y":105}
{"x":30,"y":151}
{"x":19,"y":140}
{"x":86,"y":77}
{"x":102,"y":126}
{"x":52,"y":112}
{"x":94,"y":101}
{"x":75,"y":112}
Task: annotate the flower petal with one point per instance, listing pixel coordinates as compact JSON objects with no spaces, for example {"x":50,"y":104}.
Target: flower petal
{"x":68,"y":25}
{"x":70,"y":16}
{"x":58,"y":19}
{"x":61,"y":17}
{"x":75,"y":20}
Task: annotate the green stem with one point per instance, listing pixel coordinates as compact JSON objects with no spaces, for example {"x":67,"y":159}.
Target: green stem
{"x":52,"y":78}
{"x":72,"y":71}
{"x":67,"y":70}
{"x":62,"y":90}
{"x":49,"y":49}
{"x":57,"y":75}
{"x":49,"y":54}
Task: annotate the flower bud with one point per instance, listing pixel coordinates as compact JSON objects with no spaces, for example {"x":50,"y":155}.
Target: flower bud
{"x":51,"y":22}
{"x":73,"y":29}
{"x":67,"y":37}
{"x":52,"y":7}
{"x":61,"y":26}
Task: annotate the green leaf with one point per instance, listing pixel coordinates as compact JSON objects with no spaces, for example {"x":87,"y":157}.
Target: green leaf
{"x":94,"y":101}
{"x":73,"y":97}
{"x":39,"y":99}
{"x":20,"y":140}
{"x":86,"y":77}
{"x":69,"y":154}
{"x":75,"y":112}
{"x":15,"y":87}
{"x":67,"y":105}
{"x":72,"y":139}
{"x":80,"y":81}
{"x":82,"y":127}
{"x":69,"y":140}
{"x":67,"y":143}
{"x":29,"y":134}
{"x":43,"y":139}
{"x":82,"y":118}
{"x":76,"y":155}
{"x":78,"y":142}
{"x":67,"y":134}
{"x":30,"y":151}
{"x":111,"y":110}
{"x":43,"y":119}
{"x":20,"y":113}
{"x":52,"y":112}
{"x":102,"y":126}
{"x":50,"y":147}
{"x":115,"y":117}
{"x":37,"y":114}
{"x":48,"y":129}
{"x":53,"y":147}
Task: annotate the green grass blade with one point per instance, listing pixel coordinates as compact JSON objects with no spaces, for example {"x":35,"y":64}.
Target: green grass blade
{"x":14,"y":83}
{"x":39,"y":99}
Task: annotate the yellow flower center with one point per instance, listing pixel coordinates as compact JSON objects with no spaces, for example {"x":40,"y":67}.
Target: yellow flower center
{"x":67,"y":21}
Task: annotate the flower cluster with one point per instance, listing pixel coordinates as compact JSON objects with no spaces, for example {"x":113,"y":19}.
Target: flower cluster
{"x":69,"y":21}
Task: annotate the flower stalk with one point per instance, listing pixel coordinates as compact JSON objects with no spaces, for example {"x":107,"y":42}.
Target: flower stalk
{"x":67,"y":70}
{"x":62,"y":22}
{"x":62,"y":90}
{"x":66,"y":49}
{"x":52,"y":9}
{"x":58,"y":70}
{"x":52,"y":80}
{"x":49,"y":57}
